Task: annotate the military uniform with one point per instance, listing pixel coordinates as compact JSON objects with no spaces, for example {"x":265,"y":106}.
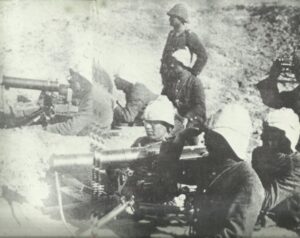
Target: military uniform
{"x":95,"y":108}
{"x":143,"y":141}
{"x":280,"y":176}
{"x":187,"y":95}
{"x":228,"y":199}
{"x":275,"y":99}
{"x":186,"y":39}
{"x":137,"y":98}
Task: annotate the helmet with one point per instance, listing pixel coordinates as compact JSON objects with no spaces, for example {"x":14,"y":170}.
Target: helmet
{"x":160,"y":109}
{"x":179,"y":10}
{"x":287,"y":120}
{"x":233,"y":122}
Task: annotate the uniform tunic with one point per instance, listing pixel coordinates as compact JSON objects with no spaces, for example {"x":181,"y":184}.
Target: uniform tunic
{"x":229,"y":198}
{"x":275,"y":99}
{"x":137,"y":98}
{"x":187,"y":95}
{"x":185,"y":39}
{"x":280,"y":176}
{"x":95,"y":108}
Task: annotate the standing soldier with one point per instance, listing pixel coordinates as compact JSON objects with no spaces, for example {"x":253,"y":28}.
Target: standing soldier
{"x":179,"y":38}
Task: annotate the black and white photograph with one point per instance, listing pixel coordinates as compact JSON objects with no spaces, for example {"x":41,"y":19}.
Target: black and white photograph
{"x":150,"y":118}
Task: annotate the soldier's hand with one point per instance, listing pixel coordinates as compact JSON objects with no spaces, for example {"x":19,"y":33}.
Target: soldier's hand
{"x":185,"y":122}
{"x":275,"y":70}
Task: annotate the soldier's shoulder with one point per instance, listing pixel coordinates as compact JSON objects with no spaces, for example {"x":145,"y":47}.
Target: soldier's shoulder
{"x":196,"y":80}
{"x":249,"y":174}
{"x":191,"y":34}
{"x":244,"y":169}
{"x":141,"y":87}
{"x":258,"y":150}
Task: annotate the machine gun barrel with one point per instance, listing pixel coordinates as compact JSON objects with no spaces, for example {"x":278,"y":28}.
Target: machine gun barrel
{"x":43,"y":85}
{"x":62,"y":160}
{"x":106,"y":157}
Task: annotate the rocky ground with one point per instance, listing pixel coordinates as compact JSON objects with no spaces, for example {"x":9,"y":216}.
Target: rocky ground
{"x":42,"y":39}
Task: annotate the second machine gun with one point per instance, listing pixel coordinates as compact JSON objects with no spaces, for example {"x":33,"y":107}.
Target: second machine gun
{"x":54,"y":103}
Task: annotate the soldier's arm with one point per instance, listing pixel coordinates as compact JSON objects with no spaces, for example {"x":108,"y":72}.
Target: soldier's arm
{"x":197,"y":48}
{"x":129,"y":113}
{"x":197,"y":115}
{"x":284,"y":170}
{"x":270,"y":93}
{"x":166,"y":45}
{"x":286,"y":177}
{"x":269,"y":90}
{"x":78,"y":122}
{"x":123,"y":84}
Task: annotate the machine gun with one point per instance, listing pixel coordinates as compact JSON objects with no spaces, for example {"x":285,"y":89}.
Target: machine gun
{"x":124,"y":178}
{"x":54,"y":103}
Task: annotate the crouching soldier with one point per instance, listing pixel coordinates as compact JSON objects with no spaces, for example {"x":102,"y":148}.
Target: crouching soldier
{"x":158,"y":121}
{"x":95,"y":107}
{"x":137,"y":98}
{"x":229,"y":193}
{"x":277,"y":163}
{"x":269,"y":90}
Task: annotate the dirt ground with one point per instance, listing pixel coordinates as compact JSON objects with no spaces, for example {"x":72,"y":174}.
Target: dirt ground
{"x":43,"y":39}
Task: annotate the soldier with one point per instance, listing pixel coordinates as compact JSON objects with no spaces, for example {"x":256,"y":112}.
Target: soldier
{"x":95,"y":107}
{"x":277,"y":163}
{"x":137,"y":98}
{"x":179,"y":38}
{"x":229,"y":193}
{"x":269,"y":90}
{"x":186,"y":93}
{"x":158,"y":121}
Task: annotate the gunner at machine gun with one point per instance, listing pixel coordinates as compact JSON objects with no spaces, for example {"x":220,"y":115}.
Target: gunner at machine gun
{"x":55,"y":100}
{"x":63,"y":109}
